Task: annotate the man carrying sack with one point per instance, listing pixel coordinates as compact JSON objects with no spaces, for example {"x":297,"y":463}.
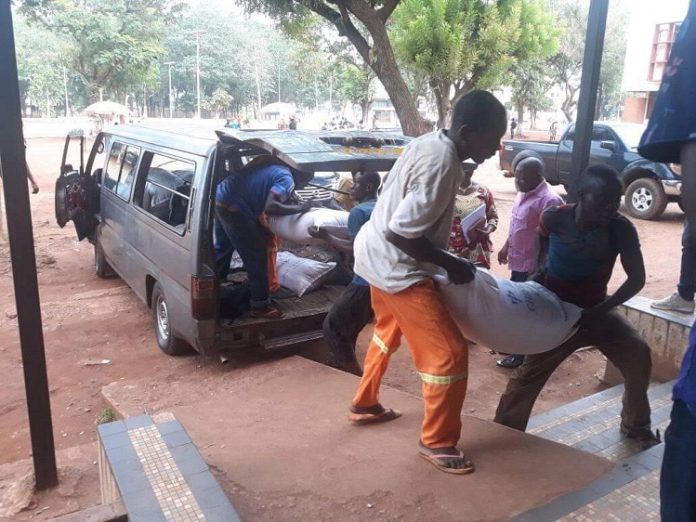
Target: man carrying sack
{"x":399,"y":250}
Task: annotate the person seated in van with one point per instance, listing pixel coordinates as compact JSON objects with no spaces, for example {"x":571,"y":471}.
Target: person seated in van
{"x":352,"y":310}
{"x":262,"y":187}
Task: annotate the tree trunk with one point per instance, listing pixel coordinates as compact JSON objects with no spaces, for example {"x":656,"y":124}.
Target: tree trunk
{"x":600,"y":101}
{"x":519,"y":106}
{"x":442,"y":102}
{"x":383,"y":62}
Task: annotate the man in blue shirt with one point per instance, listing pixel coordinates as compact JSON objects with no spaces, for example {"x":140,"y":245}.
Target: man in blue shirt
{"x":262,"y":186}
{"x":671,"y":137}
{"x":352,"y":310}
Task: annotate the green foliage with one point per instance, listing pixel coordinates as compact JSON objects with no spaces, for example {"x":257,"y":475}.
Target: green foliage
{"x":39,"y":66}
{"x":460,"y":45}
{"x":566,"y":64}
{"x":114,"y":45}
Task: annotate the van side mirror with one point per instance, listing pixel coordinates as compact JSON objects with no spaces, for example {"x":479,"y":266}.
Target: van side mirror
{"x":608,"y":145}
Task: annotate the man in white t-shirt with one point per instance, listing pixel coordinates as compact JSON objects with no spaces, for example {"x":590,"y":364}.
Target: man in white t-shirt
{"x":398,"y":251}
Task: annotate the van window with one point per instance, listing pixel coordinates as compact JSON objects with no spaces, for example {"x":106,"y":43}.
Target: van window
{"x":120,"y":170}
{"x":166,"y":189}
{"x":130,"y":165}
{"x":113,"y":167}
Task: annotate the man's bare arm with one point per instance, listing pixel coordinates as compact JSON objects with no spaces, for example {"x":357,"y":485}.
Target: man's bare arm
{"x":634,"y":267}
{"x":459,"y":270}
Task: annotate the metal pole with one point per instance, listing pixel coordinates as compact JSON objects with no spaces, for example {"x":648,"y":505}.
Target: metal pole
{"x":171,"y":105}
{"x":65,"y":88}
{"x":592,"y":61}
{"x":26,"y":288}
{"x":198,"y":76}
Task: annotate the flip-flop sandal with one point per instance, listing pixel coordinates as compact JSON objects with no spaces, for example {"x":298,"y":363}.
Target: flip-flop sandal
{"x":435,"y":459}
{"x":372,"y":418}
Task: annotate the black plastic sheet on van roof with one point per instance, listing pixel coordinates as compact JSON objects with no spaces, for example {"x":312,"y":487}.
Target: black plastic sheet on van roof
{"x":317,"y":151}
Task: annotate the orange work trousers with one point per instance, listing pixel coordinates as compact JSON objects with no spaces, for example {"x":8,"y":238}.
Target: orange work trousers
{"x":272,"y":245}
{"x":439,"y":352}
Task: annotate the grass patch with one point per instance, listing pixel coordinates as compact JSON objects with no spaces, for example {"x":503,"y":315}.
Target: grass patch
{"x":106,"y":415}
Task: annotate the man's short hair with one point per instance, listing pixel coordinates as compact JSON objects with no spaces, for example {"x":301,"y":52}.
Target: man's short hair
{"x":523,"y":156}
{"x":479,"y":109}
{"x":601,"y":177}
{"x":373,"y":178}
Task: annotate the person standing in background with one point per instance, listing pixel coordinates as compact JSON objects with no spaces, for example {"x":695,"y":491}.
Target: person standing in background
{"x":670,"y":137}
{"x":519,"y":252}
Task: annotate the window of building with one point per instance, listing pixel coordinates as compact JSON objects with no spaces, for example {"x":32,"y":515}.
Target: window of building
{"x":165,"y":190}
{"x":665,"y":34}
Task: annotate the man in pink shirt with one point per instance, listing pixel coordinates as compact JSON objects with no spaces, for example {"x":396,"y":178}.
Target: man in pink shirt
{"x":534,"y":195}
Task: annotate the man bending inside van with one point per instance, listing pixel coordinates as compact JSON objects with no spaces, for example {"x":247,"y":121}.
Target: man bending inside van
{"x":399,"y":250}
{"x":240,"y":201}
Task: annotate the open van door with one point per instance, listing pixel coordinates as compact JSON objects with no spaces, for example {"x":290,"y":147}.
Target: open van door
{"x":76,"y":192}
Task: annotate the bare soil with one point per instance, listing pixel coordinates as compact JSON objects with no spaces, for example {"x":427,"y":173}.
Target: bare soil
{"x":97,"y":332}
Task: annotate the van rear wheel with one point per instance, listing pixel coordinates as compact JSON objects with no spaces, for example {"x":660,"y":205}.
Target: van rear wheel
{"x":166,"y":340}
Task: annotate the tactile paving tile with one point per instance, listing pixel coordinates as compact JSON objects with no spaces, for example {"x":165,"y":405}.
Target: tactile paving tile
{"x":171,"y":489}
{"x":637,"y":500}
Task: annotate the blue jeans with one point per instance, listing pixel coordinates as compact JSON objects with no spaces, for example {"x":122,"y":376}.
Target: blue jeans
{"x":678,"y":478}
{"x":687,"y":275}
{"x":248,"y":237}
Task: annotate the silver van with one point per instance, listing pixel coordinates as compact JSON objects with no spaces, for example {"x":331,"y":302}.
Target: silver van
{"x":144,"y":198}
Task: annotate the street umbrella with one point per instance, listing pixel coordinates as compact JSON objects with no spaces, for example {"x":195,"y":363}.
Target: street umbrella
{"x":107,"y":108}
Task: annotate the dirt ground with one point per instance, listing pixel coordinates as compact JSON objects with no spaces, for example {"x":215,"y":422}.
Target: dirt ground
{"x":97,"y":331}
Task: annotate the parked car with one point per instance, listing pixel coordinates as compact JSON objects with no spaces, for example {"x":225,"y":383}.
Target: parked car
{"x":648,"y":186}
{"x":144,"y":199}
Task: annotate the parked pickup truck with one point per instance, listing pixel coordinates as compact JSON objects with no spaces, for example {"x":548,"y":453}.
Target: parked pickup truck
{"x":648,"y":186}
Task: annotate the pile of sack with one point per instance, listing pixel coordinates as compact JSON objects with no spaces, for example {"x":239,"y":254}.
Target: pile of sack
{"x":294,"y":227}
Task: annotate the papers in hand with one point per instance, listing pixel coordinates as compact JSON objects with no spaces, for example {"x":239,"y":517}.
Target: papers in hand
{"x":471,"y":220}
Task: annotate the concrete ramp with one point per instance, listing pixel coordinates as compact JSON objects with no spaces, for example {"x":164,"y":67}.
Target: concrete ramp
{"x":278,"y":438}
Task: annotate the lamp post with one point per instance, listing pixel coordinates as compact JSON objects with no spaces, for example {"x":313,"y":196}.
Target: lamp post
{"x":198,"y":34}
{"x":171,"y":101}
{"x":65,"y":88}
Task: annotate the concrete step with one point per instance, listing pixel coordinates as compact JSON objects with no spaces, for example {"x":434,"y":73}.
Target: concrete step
{"x":631,"y":490}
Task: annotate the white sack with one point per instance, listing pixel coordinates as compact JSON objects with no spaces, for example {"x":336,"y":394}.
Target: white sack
{"x":520,"y":318}
{"x":301,"y":275}
{"x":294,"y":227}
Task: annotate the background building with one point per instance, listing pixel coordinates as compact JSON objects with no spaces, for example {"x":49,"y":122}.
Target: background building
{"x":653,"y":28}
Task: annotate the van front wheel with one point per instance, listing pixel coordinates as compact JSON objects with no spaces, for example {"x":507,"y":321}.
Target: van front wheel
{"x":166,"y":340}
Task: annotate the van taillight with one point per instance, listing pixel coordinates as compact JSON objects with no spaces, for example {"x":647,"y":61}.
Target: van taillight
{"x":203,"y":300}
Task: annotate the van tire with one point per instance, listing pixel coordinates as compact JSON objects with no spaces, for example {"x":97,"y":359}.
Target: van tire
{"x":101,"y":266}
{"x":645,"y":199}
{"x":168,"y":342}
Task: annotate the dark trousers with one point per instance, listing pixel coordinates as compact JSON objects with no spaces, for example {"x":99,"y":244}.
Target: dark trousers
{"x":687,"y":275}
{"x":678,"y":478}
{"x":224,"y":249}
{"x":616,"y":338}
{"x":249,"y":239}
{"x":519,"y":277}
{"x":348,"y":316}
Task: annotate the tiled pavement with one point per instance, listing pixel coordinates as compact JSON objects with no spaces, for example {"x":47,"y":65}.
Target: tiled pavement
{"x":159,"y":474}
{"x":631,"y":491}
